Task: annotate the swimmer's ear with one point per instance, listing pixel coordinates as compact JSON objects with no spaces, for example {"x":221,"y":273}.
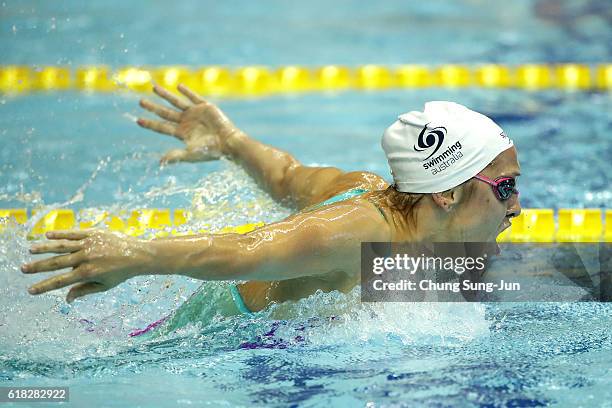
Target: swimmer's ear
{"x":447,"y":200}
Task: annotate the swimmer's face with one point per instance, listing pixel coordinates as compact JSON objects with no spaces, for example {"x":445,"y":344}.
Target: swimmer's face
{"x":481,"y":216}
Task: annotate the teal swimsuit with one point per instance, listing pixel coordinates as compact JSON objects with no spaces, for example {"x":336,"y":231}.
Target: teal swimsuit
{"x":238,"y":299}
{"x":339,"y":197}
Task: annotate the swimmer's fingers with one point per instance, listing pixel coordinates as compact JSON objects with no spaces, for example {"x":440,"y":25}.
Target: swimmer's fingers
{"x":173,"y":99}
{"x":56,"y":282}
{"x":166,"y":128}
{"x":58,"y":247}
{"x":54,"y":263}
{"x":173,"y":156}
{"x":73,"y":235}
{"x":193,"y":97}
{"x":83,"y":289}
{"x":161,"y":111}
{"x":187,"y":155}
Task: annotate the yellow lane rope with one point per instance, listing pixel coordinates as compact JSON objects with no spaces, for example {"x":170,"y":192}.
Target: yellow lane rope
{"x":533,"y":225}
{"x":247,"y":81}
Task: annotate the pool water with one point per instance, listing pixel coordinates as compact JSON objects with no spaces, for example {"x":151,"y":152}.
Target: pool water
{"x":85,"y":152}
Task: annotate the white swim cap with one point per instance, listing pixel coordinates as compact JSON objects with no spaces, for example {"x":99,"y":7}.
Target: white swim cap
{"x":442,"y":147}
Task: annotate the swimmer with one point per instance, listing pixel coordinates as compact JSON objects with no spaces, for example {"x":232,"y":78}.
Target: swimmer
{"x":454,"y":179}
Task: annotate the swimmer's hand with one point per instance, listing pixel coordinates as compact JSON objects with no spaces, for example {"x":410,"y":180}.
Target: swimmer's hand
{"x":201,"y":125}
{"x":100,"y":260}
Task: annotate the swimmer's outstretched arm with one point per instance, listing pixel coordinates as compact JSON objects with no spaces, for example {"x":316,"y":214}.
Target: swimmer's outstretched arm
{"x":323,"y":243}
{"x":209,"y":134}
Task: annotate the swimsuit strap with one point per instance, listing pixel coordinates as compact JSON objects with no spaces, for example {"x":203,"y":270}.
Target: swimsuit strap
{"x":238,"y":299}
{"x":345,"y":196}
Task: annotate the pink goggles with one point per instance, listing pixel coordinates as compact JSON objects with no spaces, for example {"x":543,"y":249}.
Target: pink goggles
{"x":503,"y":187}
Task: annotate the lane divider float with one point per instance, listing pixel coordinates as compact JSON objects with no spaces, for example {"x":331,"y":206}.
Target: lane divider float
{"x":533,"y":225}
{"x":247,"y":81}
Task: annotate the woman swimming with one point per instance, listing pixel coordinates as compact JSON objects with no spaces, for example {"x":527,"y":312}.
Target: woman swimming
{"x":454,"y":174}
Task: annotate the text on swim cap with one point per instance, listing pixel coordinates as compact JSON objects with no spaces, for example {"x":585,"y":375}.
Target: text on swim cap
{"x":444,"y":160}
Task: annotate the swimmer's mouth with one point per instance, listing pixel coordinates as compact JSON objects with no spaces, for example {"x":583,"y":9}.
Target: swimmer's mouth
{"x":504,"y":226}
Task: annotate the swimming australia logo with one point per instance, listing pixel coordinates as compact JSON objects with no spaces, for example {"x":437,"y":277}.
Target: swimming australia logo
{"x":429,"y":139}
{"x":445,"y":159}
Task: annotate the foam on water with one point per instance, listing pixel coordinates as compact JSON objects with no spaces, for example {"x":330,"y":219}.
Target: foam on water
{"x":410,"y":323}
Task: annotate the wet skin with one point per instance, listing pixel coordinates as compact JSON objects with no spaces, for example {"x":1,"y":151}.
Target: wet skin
{"x":286,"y":260}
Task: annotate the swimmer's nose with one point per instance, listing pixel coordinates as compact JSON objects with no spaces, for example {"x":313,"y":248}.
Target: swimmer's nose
{"x":514,"y":206}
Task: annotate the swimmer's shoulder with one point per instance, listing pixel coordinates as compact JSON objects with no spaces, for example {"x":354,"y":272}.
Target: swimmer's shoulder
{"x":374,"y":186}
{"x":353,"y":180}
{"x":373,"y":198}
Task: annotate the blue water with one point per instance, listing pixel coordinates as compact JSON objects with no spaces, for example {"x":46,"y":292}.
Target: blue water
{"x":84,"y":151}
